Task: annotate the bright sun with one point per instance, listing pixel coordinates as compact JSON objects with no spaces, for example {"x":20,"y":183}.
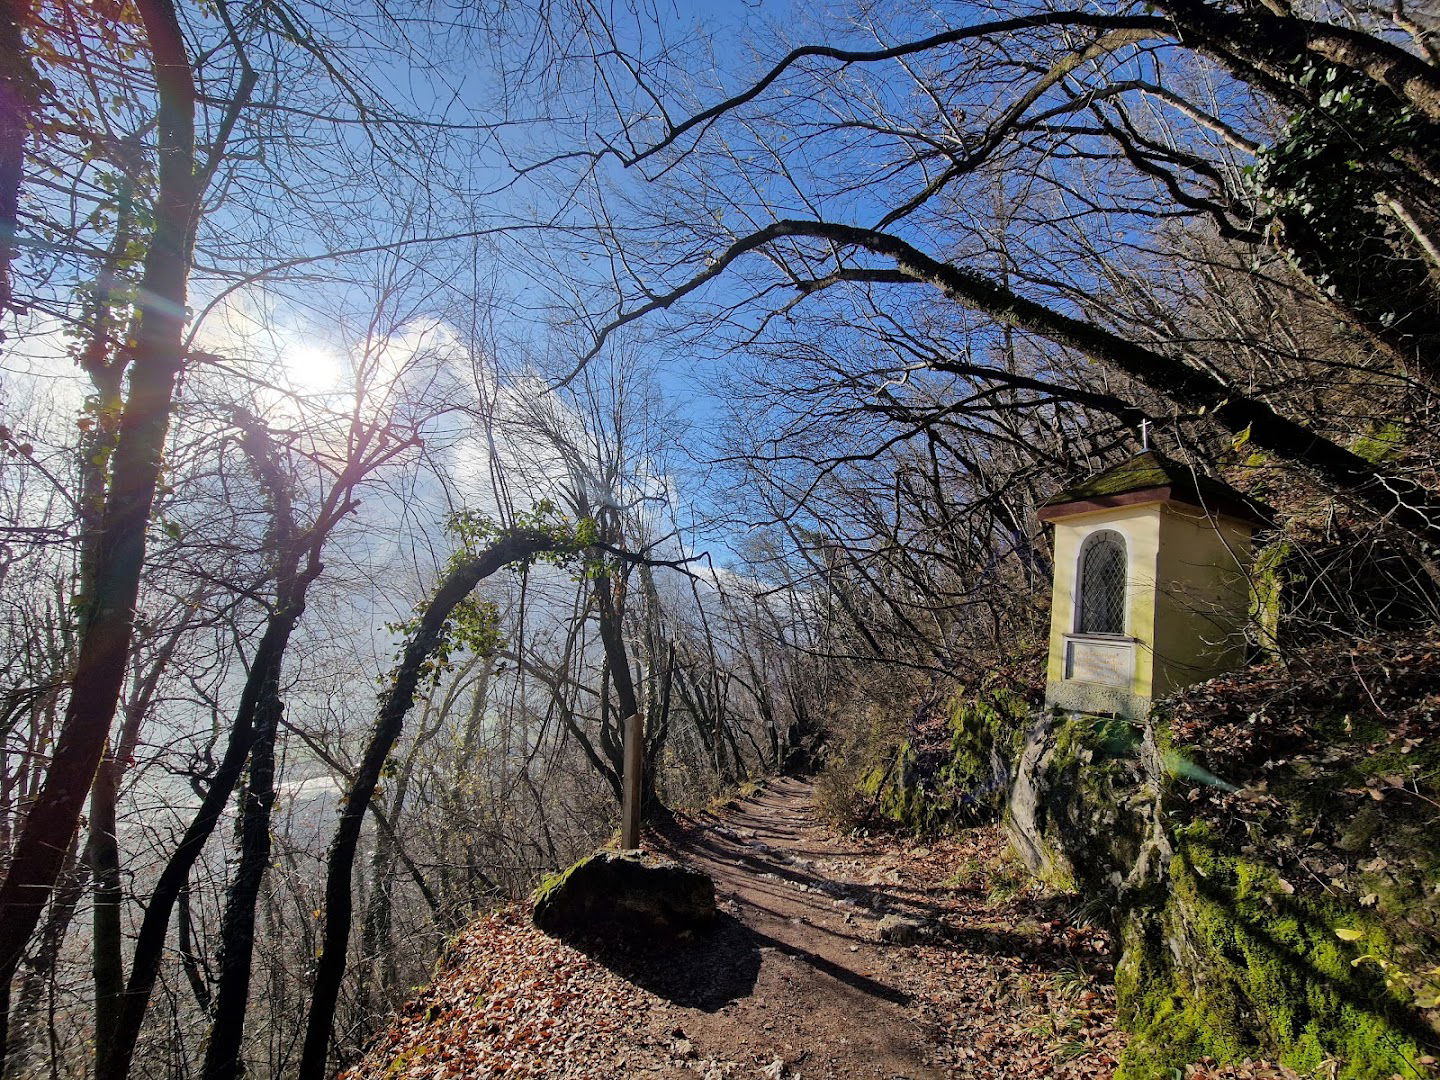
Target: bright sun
{"x":312,"y":368}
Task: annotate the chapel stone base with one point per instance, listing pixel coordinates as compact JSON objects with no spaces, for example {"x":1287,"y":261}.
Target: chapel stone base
{"x":1070,"y":696}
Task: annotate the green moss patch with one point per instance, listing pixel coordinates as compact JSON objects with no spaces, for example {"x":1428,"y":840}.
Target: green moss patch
{"x":1299,"y":919}
{"x":1267,"y":851}
{"x":957,"y":773}
{"x":1236,"y":964}
{"x":1272,"y":866}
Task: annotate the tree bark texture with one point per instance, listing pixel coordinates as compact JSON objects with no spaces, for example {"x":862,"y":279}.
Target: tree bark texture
{"x":108,"y":625}
{"x":19,"y":95}
{"x":617,"y":659}
{"x":154,"y":927}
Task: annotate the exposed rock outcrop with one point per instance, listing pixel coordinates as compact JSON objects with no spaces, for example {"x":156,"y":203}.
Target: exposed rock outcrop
{"x":898,"y":930}
{"x":1271,"y":868}
{"x":1266,"y":850}
{"x":629,"y":893}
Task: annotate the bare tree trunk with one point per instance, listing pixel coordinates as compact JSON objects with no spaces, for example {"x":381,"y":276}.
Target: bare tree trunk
{"x":19,"y":89}
{"x":377,"y":925}
{"x":197,"y":977}
{"x":103,"y":849}
{"x":108,"y":625}
{"x":237,"y":927}
{"x":617,"y":660}
{"x":154,"y":927}
{"x":40,"y":972}
{"x":330,"y":967}
{"x":103,"y":854}
{"x":252,"y":735}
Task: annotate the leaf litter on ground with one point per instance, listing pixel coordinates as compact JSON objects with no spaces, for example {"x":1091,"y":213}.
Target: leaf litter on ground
{"x":1007,"y":980}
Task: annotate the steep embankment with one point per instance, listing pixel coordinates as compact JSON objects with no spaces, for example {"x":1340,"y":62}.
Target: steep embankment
{"x":836,"y":957}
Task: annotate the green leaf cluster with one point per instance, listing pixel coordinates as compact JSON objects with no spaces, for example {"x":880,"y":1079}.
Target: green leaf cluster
{"x":1322,"y":179}
{"x":473,"y":627}
{"x":572,"y":538}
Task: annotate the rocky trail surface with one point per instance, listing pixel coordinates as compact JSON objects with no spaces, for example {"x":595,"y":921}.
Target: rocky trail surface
{"x":834,"y":956}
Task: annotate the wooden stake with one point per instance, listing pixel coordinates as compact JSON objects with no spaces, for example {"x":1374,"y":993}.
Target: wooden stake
{"x":634,"y":767}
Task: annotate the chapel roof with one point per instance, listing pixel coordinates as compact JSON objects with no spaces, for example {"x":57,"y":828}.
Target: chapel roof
{"x":1150,"y":476}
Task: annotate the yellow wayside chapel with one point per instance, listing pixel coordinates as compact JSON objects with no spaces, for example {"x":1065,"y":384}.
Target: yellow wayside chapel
{"x":1151,"y":588}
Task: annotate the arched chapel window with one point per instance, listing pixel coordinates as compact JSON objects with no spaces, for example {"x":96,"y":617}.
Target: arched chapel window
{"x":1102,"y":584}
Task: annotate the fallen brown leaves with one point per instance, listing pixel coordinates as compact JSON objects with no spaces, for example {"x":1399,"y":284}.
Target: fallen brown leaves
{"x":1270,"y":711}
{"x":511,"y":1002}
{"x":1000,"y":981}
{"x":1015,"y":984}
{"x":1244,"y":1070}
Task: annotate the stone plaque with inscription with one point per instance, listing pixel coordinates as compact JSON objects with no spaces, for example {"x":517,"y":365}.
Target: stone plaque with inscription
{"x":1109,"y":663}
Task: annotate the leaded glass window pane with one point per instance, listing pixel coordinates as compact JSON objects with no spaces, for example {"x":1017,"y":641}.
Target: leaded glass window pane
{"x":1102,"y":585}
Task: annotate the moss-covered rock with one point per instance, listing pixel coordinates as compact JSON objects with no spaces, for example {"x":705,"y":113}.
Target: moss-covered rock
{"x":1273,"y":878}
{"x":956,"y":771}
{"x":1080,"y":809}
{"x":1235,"y":963}
{"x":628,"y":893}
{"x":1266,"y":849}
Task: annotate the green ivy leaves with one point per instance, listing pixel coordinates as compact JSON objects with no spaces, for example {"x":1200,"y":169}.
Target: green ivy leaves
{"x":1322,"y":178}
{"x":473,"y":627}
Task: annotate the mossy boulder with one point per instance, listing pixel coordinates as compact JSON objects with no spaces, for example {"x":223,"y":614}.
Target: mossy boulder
{"x":1236,"y":962}
{"x":1266,"y":848}
{"x":1080,"y":811}
{"x":1268,"y":857}
{"x":626,"y":893}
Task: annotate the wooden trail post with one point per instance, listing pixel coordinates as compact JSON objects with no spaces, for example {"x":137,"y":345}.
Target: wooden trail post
{"x":634,"y":766}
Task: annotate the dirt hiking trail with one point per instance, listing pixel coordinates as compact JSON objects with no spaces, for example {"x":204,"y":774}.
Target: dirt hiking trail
{"x":835,"y":956}
{"x":826,"y":999}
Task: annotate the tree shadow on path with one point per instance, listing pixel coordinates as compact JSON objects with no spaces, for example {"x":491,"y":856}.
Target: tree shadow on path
{"x":864,"y":983}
